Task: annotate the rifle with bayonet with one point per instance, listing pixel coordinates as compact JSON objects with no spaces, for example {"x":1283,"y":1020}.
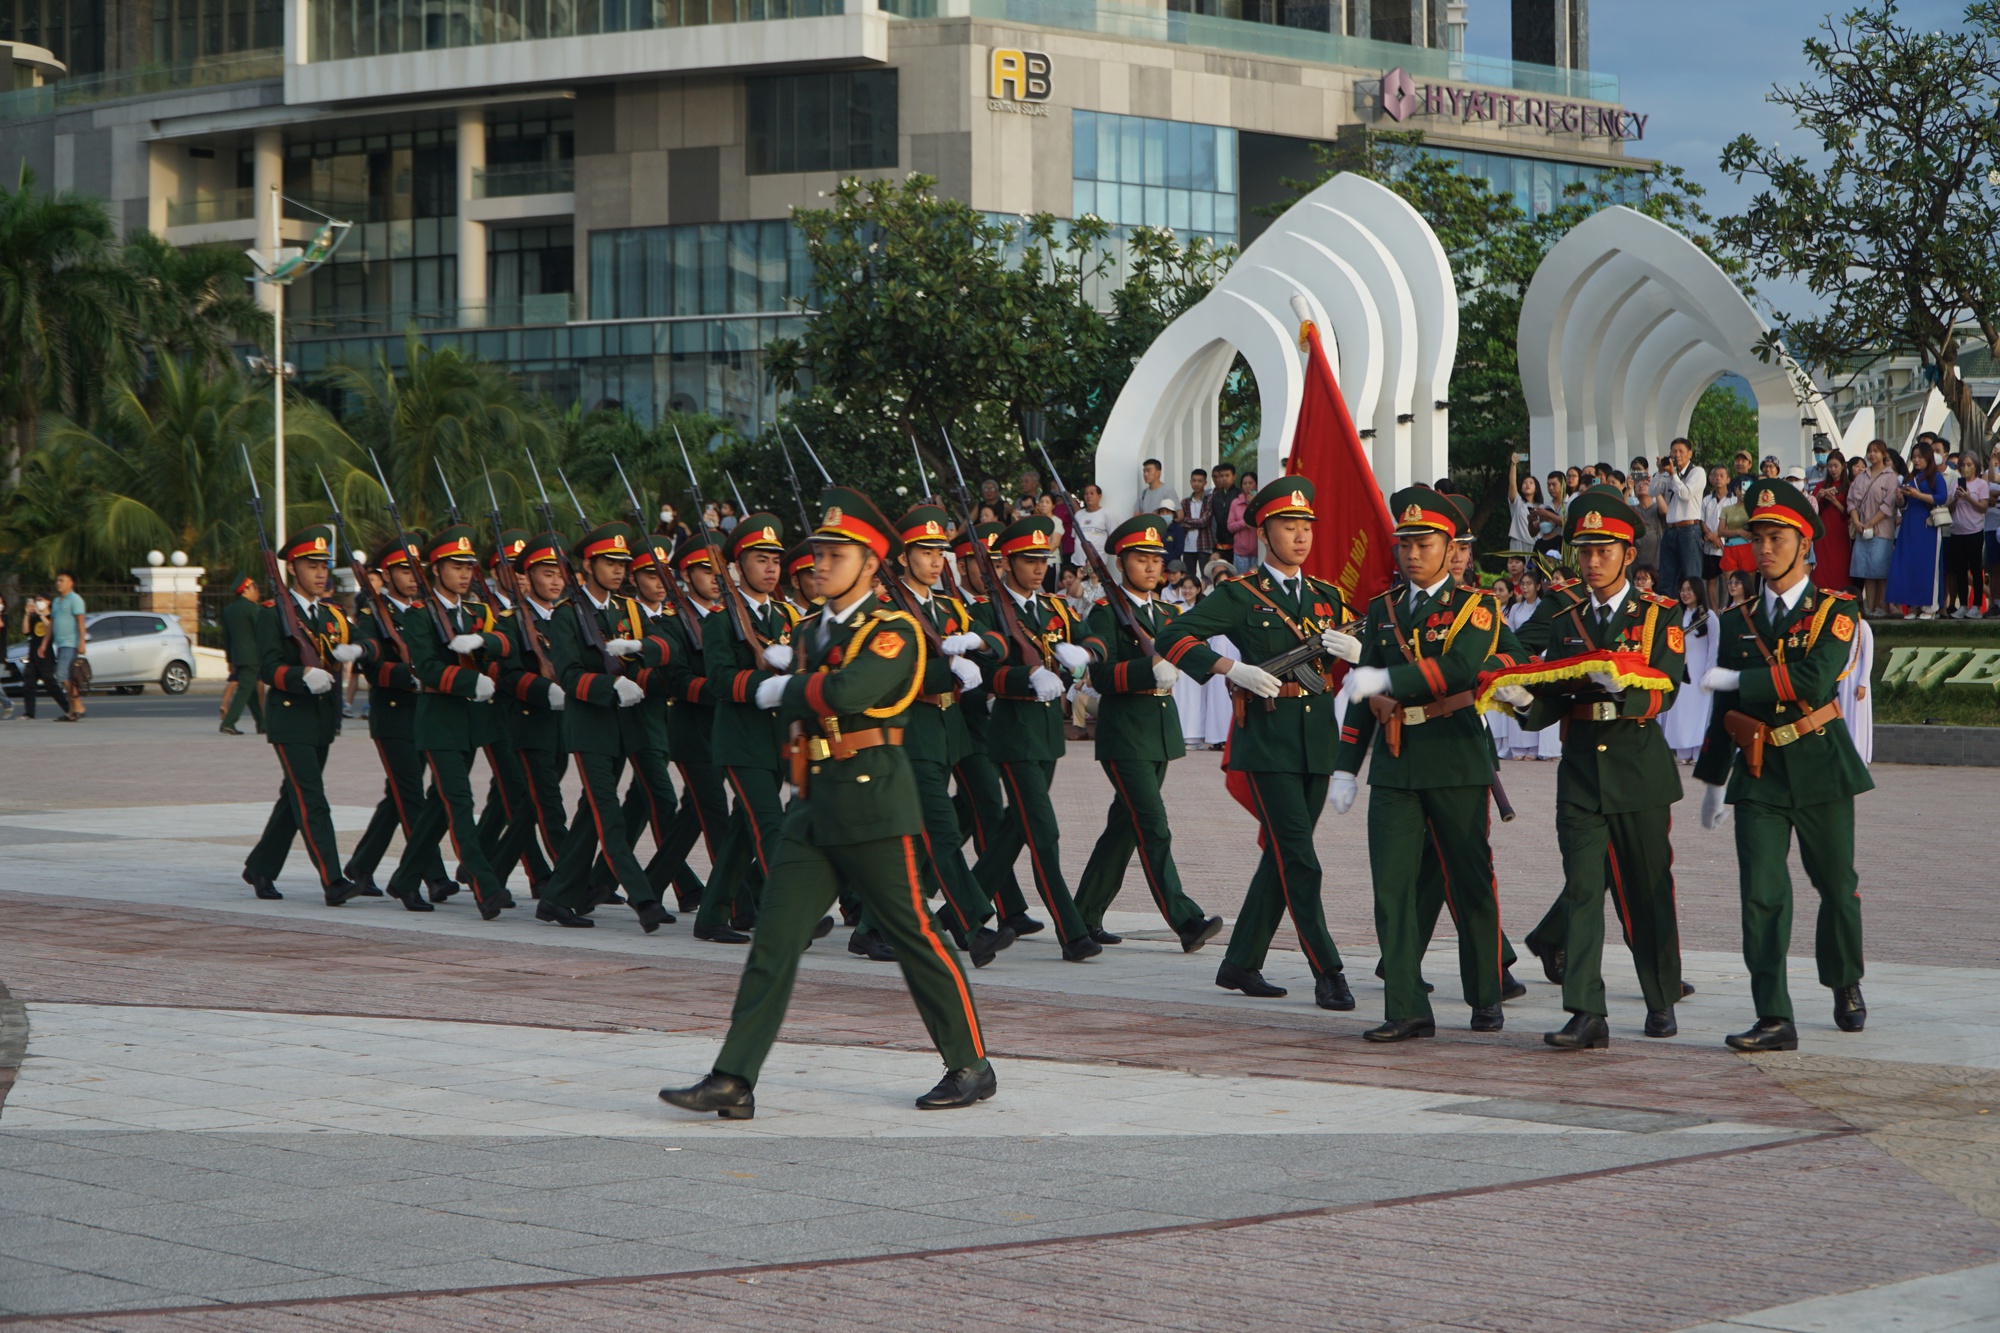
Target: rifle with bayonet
{"x":924,"y":484}
{"x":586,"y":614}
{"x":281,"y":593}
{"x":663,"y":561}
{"x":1012,"y":627}
{"x":385,"y":624}
{"x":892,"y":582}
{"x":511,"y":583}
{"x":733,"y":600}
{"x":1114,"y":593}
{"x":424,"y":590}
{"x":479,"y":583}
{"x":798,"y":494}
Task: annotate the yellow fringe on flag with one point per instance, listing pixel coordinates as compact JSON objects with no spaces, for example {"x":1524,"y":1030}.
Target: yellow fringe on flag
{"x":1630,"y":670}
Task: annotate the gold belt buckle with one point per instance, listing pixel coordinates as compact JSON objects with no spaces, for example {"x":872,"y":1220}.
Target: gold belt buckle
{"x":1415,"y":717}
{"x":1604,"y":711}
{"x":1784,"y":735}
{"x":817,"y":748}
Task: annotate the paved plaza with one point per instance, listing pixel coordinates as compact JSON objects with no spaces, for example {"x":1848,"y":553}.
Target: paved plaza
{"x":367,"y":1118}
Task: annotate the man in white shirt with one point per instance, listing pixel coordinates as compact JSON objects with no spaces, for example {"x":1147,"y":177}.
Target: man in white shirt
{"x":1679,"y":486}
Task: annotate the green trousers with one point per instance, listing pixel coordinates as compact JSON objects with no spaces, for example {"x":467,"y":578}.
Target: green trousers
{"x":1431,"y":900}
{"x":448,"y":812}
{"x":1631,"y":855}
{"x":598,"y":826}
{"x":1400,"y":823}
{"x":300,"y":808}
{"x":510,"y":802}
{"x":1287,"y":878}
{"x":944,"y":871}
{"x":703,"y":815}
{"x":1826,"y":848}
{"x":535,"y":827}
{"x":1031,"y":822}
{"x":982,"y":809}
{"x":1137,"y":821}
{"x":402,"y":800}
{"x":748,"y":845}
{"x":249,"y":694}
{"x":651,"y":805}
{"x":805,"y":880}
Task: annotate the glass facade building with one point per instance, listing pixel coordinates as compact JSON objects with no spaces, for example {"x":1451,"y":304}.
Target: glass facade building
{"x":705,"y":268}
{"x":1135,"y":171}
{"x":1536,"y":183}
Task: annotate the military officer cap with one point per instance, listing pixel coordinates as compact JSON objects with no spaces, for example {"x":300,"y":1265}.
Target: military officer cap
{"x":1770,"y":500}
{"x":1146,"y":533}
{"x":694,"y":549}
{"x":798,"y":557}
{"x":392,"y":553}
{"x":847,"y":515}
{"x":608,"y":541}
{"x":926,"y":525}
{"x":1461,"y":508}
{"x":511,"y":542}
{"x":243,"y":581}
{"x":1033,"y":535}
{"x":755,"y":532}
{"x":1287,"y":497}
{"x":452,"y":543}
{"x":642,"y":557}
{"x":1599,"y":517}
{"x":962,"y":543}
{"x":1419,"y":509}
{"x":313,"y":543}
{"x":544,"y":548}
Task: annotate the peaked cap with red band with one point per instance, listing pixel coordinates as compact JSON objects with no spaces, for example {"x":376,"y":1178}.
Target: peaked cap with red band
{"x":1147,"y":532}
{"x":1772,"y":500}
{"x":544,"y":548}
{"x":392,"y":553}
{"x":511,"y":542}
{"x":756,"y":532}
{"x":1599,"y":517}
{"x":1419,"y":509}
{"x":452,"y":543}
{"x":799,"y":557}
{"x":961,"y":544}
{"x":926,"y":525}
{"x":244,"y":582}
{"x":609,"y":541}
{"x":694,"y":549}
{"x":1033,"y":535}
{"x":848,"y":515}
{"x":1287,"y":497}
{"x":1461,"y":508}
{"x":313,"y":543}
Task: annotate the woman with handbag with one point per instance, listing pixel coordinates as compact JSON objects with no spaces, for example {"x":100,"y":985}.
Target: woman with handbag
{"x":1871,"y":516}
{"x":1914,"y":568}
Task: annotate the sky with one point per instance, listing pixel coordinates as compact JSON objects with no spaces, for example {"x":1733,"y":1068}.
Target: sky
{"x":1701,"y":69}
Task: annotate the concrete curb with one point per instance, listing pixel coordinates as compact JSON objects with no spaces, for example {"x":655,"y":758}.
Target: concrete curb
{"x":13,"y":1040}
{"x":1969,"y":747}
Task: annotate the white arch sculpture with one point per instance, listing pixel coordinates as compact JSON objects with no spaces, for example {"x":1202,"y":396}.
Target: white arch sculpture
{"x":1623,"y":326}
{"x":1379,"y":287}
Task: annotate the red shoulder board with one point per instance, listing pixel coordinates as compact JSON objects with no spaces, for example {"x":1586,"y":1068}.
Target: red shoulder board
{"x":1657,"y":600}
{"x":1104,"y":601}
{"x":268,"y":601}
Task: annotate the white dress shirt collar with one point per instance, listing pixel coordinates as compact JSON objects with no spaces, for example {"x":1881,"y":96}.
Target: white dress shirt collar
{"x":1788,"y":599}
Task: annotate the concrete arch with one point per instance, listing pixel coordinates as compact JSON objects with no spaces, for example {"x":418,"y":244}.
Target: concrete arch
{"x":1378,"y":285}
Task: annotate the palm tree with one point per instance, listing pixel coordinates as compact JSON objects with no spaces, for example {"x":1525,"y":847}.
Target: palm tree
{"x":194,"y":303}
{"x":67,"y":322}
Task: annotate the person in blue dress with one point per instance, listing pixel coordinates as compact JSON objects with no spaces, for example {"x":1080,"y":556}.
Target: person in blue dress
{"x":1913,"y":570}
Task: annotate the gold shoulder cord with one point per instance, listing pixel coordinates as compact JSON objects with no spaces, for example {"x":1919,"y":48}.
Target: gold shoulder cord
{"x":1458,"y":623}
{"x":1646,"y":634}
{"x":877,"y":621}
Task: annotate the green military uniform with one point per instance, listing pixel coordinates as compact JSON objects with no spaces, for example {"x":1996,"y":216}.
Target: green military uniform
{"x":454,"y":720}
{"x":239,"y":643}
{"x":704,"y":807}
{"x":1284,"y":747}
{"x":601,"y":728}
{"x":301,"y":725}
{"x":977,"y":796}
{"x":1788,"y":666}
{"x":392,"y":720}
{"x":1423,"y":650}
{"x":1617,"y":783}
{"x":858,"y":824}
{"x":1138,"y":735}
{"x":528,"y":713}
{"x":1026,"y":740}
{"x":509,"y":801}
{"x":747,"y":742}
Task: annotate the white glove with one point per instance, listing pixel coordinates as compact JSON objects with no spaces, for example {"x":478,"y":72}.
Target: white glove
{"x":1048,"y":685}
{"x":628,"y":692}
{"x":347,"y":652}
{"x":556,"y":698}
{"x":1249,"y":676}
{"x":770,"y":692}
{"x":967,"y":673}
{"x":624,"y":647}
{"x":1716,"y":679}
{"x":1607,"y":682}
{"x":1366,"y":682}
{"x":1343,"y":646}
{"x":318,"y":681}
{"x":482,"y":688}
{"x":1072,"y":657}
{"x":466,"y":643}
{"x":778,"y":656}
{"x":962,"y":643}
{"x":1514,"y":696}
{"x":1714,"y":814}
{"x":1340,"y":793}
{"x":1165,"y":673}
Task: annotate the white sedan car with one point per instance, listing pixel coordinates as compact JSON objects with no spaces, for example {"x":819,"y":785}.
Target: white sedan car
{"x":128,"y":650}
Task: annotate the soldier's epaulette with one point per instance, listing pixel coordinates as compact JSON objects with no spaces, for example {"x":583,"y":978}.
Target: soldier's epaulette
{"x":1658,"y":600}
{"x":1323,"y":583}
{"x":503,"y":611}
{"x":1560,"y":585}
{"x":1103,"y":601}
{"x":1836,"y":592}
{"x":268,"y":601}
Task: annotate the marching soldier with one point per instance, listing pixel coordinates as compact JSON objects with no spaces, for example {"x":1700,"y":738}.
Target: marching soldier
{"x":600,"y":727}
{"x":1422,"y":649}
{"x":976,"y":796}
{"x":303,"y":718}
{"x":529,"y":704}
{"x":509,"y":797}
{"x":452,"y":720}
{"x":1026,"y":735}
{"x":1618,"y":781}
{"x":393,"y":689}
{"x":747,"y":740}
{"x":936,"y":738}
{"x":1282,"y":738}
{"x":1138,"y":735}
{"x":1776,"y":737}
{"x":239,"y":642}
{"x":856,"y":825}
{"x":704,"y":808}
{"x":801,"y":587}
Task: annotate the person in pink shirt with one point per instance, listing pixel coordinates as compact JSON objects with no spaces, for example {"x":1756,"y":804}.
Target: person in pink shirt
{"x":1242,"y":532}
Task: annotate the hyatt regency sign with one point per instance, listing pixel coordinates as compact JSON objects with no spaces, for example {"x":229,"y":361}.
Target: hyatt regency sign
{"x":1404,"y":98}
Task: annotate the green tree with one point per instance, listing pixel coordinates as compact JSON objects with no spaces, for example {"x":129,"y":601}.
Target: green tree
{"x":1889,"y":219}
{"x":194,"y":304}
{"x":1721,"y":424}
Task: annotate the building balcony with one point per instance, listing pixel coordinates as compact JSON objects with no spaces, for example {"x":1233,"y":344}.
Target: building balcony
{"x":513,"y":179}
{"x":146,"y":80}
